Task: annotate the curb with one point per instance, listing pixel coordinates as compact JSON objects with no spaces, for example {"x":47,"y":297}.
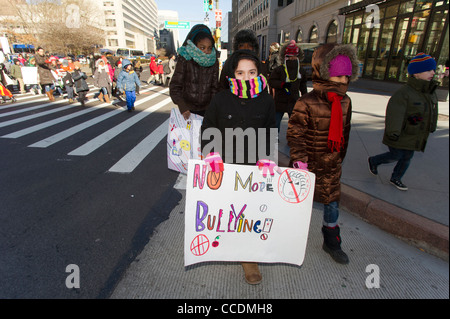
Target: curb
{"x":423,"y":233}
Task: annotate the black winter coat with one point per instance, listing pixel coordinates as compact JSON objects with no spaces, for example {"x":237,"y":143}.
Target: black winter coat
{"x":229,"y":111}
{"x":80,"y":81}
{"x":284,"y":102}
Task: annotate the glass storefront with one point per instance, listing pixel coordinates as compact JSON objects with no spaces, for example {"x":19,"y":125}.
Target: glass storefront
{"x":405,"y":29}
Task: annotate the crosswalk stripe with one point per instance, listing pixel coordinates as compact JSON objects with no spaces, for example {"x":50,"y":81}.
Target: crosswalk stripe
{"x":75,"y":129}
{"x":130,"y":161}
{"x":95,"y":143}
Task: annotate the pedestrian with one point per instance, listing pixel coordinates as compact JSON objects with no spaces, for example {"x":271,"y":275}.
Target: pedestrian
{"x":138,"y":69}
{"x":160,"y":66}
{"x":246,"y":105}
{"x":4,"y":77}
{"x":58,"y":73}
{"x":153,"y":71}
{"x":102,"y":80}
{"x":79,"y":79}
{"x":288,"y":80}
{"x":67,"y":80}
{"x":411,"y":115}
{"x":195,"y":80}
{"x":243,"y":40}
{"x":21,"y":59}
{"x":35,"y":87}
{"x":16,"y":73}
{"x":127,"y":81}
{"x":169,"y":69}
{"x":318,"y":132}
{"x":45,"y":74}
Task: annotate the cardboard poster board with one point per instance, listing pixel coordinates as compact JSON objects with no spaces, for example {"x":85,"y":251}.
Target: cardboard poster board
{"x":30,"y":75}
{"x":240,"y":215}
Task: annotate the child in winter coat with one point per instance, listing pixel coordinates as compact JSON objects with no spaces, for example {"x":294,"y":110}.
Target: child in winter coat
{"x":246,"y":104}
{"x":318,"y":133}
{"x":411,"y":115}
{"x":288,"y":80}
{"x":16,"y":73}
{"x":102,"y":80}
{"x":81,"y":85}
{"x":153,"y":71}
{"x":127,"y":82}
{"x":196,"y":77}
{"x":67,"y":80}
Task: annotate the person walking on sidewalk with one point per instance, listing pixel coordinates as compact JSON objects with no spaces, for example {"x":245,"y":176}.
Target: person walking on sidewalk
{"x":127,"y":81}
{"x":247,"y":105}
{"x":196,"y":77}
{"x":288,"y":80}
{"x":411,"y":115}
{"x":318,"y":133}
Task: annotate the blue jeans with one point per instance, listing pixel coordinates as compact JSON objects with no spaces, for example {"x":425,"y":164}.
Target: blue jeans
{"x":278,"y":118}
{"x":330,"y":214}
{"x":402,"y":157}
{"x":131,"y":98}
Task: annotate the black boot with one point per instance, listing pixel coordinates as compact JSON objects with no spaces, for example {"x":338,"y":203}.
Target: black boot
{"x":332,"y":244}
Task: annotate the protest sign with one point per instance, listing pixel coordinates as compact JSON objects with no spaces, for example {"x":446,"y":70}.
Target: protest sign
{"x":29,"y":74}
{"x":241,"y":215}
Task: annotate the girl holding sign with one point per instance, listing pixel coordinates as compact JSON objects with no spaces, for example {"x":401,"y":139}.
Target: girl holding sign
{"x":245,"y":105}
{"x":318,"y":133}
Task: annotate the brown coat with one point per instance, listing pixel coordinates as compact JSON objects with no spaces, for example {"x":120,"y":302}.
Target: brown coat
{"x":193,"y":86}
{"x":309,"y":124}
{"x":44,"y":70}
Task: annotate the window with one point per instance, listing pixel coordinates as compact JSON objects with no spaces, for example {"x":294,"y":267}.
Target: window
{"x":313,"y":35}
{"x":332,"y":32}
{"x":299,"y":36}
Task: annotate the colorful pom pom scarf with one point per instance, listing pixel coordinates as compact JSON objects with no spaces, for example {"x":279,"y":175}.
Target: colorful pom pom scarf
{"x":249,"y":88}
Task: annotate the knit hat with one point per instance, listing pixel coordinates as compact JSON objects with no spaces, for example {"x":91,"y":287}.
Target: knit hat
{"x":340,"y":65}
{"x":421,"y":63}
{"x":292,"y":49}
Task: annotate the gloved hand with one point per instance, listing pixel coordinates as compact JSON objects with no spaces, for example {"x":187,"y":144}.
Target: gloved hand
{"x":268,"y":165}
{"x":215,"y":163}
{"x":286,"y":85}
{"x":300,"y":165}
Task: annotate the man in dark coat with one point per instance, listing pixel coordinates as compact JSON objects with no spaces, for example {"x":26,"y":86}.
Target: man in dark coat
{"x":45,"y":74}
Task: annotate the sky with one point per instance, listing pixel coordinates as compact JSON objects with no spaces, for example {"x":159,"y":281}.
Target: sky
{"x":192,"y":10}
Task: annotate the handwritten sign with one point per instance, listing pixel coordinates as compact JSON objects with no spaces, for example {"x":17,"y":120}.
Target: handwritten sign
{"x":240,"y":215}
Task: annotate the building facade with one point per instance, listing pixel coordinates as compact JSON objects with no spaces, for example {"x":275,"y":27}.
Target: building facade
{"x":130,"y":24}
{"x":389,"y":33}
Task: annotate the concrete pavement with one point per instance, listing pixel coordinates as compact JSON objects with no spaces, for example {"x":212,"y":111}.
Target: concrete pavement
{"x":401,"y":233}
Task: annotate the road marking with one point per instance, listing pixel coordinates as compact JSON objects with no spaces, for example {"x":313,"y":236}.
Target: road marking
{"x":95,"y":143}
{"x":75,"y":129}
{"x":131,"y":160}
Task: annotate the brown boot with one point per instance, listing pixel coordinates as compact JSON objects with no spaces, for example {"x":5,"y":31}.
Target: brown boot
{"x":50,"y":96}
{"x":252,"y":274}
{"x":107,"y":100}
{"x":100,"y":97}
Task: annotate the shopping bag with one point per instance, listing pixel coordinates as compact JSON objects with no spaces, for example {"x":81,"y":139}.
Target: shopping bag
{"x":183,"y":140}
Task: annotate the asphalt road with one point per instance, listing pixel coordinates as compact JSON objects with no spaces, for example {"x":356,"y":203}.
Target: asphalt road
{"x":63,"y":204}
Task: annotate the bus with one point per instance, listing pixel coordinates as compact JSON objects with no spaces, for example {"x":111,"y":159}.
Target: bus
{"x":131,"y":54}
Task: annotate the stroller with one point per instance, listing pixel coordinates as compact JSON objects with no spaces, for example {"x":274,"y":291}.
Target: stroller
{"x":4,"y":92}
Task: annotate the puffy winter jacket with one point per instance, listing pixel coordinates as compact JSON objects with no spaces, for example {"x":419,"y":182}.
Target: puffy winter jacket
{"x":193,"y":86}
{"x":309,"y":124}
{"x":411,"y":115}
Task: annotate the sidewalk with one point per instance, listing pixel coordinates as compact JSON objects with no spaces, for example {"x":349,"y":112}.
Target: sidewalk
{"x":419,"y":215}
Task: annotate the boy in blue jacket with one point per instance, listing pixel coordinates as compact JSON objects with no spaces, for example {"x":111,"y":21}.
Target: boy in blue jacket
{"x":127,"y":82}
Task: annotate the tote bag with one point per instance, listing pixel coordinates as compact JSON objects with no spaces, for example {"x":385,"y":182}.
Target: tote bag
{"x":183,"y":140}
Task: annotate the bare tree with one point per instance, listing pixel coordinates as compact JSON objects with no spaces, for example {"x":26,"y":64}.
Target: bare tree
{"x":62,"y":26}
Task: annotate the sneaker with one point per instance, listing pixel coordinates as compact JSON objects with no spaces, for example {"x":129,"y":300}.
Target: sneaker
{"x":372,"y":168}
{"x":399,"y":184}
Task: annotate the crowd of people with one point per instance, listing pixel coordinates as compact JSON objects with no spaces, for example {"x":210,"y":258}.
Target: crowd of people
{"x":56,"y":76}
{"x":256,"y":94}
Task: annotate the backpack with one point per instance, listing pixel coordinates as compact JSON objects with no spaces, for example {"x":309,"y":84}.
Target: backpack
{"x":166,"y":68}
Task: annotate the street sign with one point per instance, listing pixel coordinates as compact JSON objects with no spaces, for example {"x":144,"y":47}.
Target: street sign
{"x":218,"y":15}
{"x":177,"y":25}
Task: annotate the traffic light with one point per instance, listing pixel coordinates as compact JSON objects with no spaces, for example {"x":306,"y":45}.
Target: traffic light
{"x":210,"y":5}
